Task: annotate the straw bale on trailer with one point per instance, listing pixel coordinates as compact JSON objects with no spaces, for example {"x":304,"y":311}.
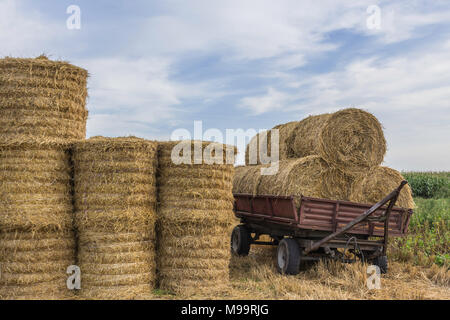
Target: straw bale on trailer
{"x":378,"y":183}
{"x":35,"y":187}
{"x":115,"y":203}
{"x":41,"y":101}
{"x":195,"y":216}
{"x":295,"y":177}
{"x":246,"y":179}
{"x":284,"y":131}
{"x":309,"y":176}
{"x":33,"y":264}
{"x":353,"y":141}
{"x":303,"y":139}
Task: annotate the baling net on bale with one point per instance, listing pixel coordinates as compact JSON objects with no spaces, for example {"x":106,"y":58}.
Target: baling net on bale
{"x":35,"y":188}
{"x":195,"y":216}
{"x":378,"y":183}
{"x":33,"y":265}
{"x":115,"y":202}
{"x":284,"y":132}
{"x":41,"y":101}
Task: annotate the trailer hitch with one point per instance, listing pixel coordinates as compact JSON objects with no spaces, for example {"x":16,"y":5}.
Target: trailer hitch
{"x":391,"y":198}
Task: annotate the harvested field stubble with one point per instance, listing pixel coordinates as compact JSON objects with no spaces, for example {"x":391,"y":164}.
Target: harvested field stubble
{"x":41,"y":101}
{"x":194,"y":218}
{"x":33,"y":264}
{"x":115,"y":200}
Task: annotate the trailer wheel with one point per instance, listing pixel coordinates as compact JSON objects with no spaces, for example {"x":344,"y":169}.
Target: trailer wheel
{"x":382,"y":263}
{"x":240,"y":240}
{"x":288,"y":257}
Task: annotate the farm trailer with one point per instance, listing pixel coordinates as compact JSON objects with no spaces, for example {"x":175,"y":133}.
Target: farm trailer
{"x":317,"y":228}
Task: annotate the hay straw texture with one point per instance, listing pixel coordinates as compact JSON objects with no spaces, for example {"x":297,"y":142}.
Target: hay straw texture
{"x":303,"y":139}
{"x":41,"y":101}
{"x":117,"y":266}
{"x":35,"y":188}
{"x":195,"y":218}
{"x":246,"y":179}
{"x":115,"y":202}
{"x":295,"y":177}
{"x":353,"y":141}
{"x":33,"y":264}
{"x":285,"y":131}
{"x":377,"y":184}
{"x":309,"y":176}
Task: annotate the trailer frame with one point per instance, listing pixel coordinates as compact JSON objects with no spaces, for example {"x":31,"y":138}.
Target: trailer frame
{"x":365,"y":235}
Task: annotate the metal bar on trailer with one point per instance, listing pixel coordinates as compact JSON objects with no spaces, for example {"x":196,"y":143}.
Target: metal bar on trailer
{"x":364,"y":216}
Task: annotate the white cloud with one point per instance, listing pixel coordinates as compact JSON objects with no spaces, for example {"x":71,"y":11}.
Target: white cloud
{"x":410,"y":95}
{"x":273,"y":100}
{"x":23,"y":30}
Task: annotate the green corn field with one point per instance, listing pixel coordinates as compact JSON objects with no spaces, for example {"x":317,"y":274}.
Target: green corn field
{"x":428,"y":239}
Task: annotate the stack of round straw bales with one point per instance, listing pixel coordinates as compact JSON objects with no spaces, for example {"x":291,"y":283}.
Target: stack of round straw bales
{"x":194,"y":216}
{"x":42,"y":110}
{"x":335,"y":156}
{"x":115,"y":202}
{"x":351,"y":140}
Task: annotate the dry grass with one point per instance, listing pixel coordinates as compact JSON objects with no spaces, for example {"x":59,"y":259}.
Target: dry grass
{"x":255,"y":278}
{"x":379,"y":182}
{"x":194,"y":219}
{"x":115,"y":202}
{"x":41,"y":101}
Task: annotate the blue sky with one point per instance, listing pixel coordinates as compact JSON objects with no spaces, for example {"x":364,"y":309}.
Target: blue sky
{"x":156,"y":66}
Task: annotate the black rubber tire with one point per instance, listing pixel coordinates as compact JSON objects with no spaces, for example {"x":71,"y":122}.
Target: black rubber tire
{"x":240,"y":240}
{"x":382,"y":263}
{"x":288,"y":257}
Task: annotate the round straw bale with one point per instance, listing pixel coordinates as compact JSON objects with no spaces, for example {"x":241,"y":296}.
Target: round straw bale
{"x":295,"y":177}
{"x":303,"y":138}
{"x":188,"y":153}
{"x":35,"y":183}
{"x":112,"y":264}
{"x":41,"y":101}
{"x":115,"y":184}
{"x":352,"y":140}
{"x":284,"y":152}
{"x":33,"y":264}
{"x":336,"y":184}
{"x":378,"y":183}
{"x":247,"y":179}
{"x":191,"y":263}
